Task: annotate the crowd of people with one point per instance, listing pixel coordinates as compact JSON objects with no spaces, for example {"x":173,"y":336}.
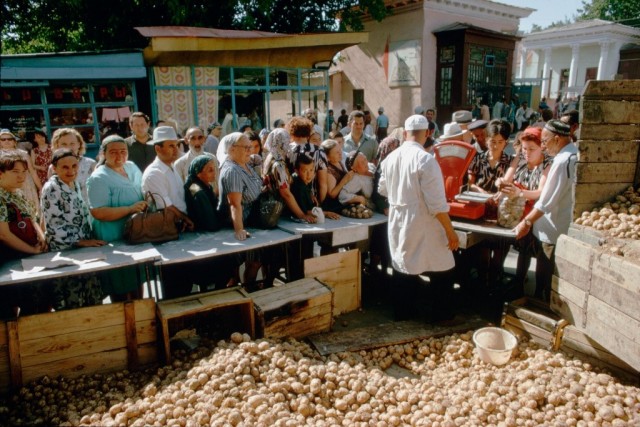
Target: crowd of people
{"x":62,"y":199}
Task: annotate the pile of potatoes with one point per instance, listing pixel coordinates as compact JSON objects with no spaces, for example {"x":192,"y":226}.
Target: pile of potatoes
{"x":241,"y":382}
{"x":357,"y":211}
{"x":619,"y":218}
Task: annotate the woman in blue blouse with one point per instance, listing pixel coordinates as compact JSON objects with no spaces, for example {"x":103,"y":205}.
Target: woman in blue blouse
{"x":115,"y":194}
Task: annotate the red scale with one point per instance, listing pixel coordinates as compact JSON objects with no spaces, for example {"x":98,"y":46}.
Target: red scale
{"x":454,"y":158}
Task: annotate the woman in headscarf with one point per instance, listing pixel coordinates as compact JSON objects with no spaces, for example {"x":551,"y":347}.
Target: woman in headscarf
{"x":202,"y":201}
{"x":276,"y":175}
{"x":225,"y":144}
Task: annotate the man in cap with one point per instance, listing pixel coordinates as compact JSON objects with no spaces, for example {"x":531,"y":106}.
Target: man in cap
{"x":551,"y":215}
{"x":420,"y":234}
{"x":161,"y":178}
{"x":139,"y":152}
{"x":430,"y":114}
{"x":463,"y":118}
{"x":213,"y":138}
{"x":195,"y":140}
{"x":478,"y":129}
{"x":382,"y":124}
{"x":454,"y":132}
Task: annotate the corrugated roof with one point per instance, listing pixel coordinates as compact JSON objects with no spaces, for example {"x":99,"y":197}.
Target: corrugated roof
{"x":171,"y":31}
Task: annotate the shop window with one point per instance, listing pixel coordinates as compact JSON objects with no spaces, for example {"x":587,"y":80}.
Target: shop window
{"x":250,"y":108}
{"x":282,"y":105}
{"x":113,"y":92}
{"x":67,"y":94}
{"x":249,"y":76}
{"x":446,"y":75}
{"x":112,"y":120}
{"x":20,"y":96}
{"x":22,"y":122}
{"x":313,"y":78}
{"x":283,"y":77}
{"x":64,"y":117}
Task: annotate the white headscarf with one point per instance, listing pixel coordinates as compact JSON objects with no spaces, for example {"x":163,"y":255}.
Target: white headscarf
{"x":278,"y":144}
{"x":225,"y":144}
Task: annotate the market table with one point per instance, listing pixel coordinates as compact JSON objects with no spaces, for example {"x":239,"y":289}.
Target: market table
{"x":72,"y":262}
{"x":199,"y":246}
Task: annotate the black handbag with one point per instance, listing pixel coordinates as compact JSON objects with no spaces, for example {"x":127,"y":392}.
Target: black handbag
{"x":269,"y":205}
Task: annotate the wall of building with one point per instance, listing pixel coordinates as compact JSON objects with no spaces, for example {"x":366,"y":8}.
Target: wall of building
{"x":362,"y":67}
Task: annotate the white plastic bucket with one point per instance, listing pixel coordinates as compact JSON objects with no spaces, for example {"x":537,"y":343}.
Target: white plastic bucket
{"x":494,"y":345}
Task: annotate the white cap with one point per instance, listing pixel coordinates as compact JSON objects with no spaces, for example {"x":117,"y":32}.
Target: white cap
{"x":163,"y":133}
{"x":416,"y":122}
{"x":452,"y":131}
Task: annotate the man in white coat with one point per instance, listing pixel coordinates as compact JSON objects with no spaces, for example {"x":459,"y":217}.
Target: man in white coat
{"x":421,"y":236}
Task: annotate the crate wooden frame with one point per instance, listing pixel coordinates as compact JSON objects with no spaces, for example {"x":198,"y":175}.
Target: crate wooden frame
{"x":81,"y":341}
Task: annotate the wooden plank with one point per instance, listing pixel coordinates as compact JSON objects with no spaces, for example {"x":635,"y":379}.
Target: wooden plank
{"x":602,"y":172}
{"x":340,"y":271}
{"x":592,"y":131}
{"x":386,"y":334}
{"x":593,"y":349}
{"x":616,"y":281}
{"x":68,"y":321}
{"x":319,"y":323}
{"x":201,"y":302}
{"x":570,"y":311}
{"x":4,"y":338}
{"x":611,"y":112}
{"x":130,"y":334}
{"x":51,"y":349}
{"x":531,"y":331}
{"x":615,"y":331}
{"x":109,"y":361}
{"x":574,"y":260}
{"x":607,"y":151}
{"x":596,"y":194}
{"x":145,"y":309}
{"x":603,"y":360}
{"x":14,"y":354}
{"x":307,"y":289}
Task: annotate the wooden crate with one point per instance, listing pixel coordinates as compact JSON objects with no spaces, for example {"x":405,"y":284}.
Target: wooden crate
{"x":76,"y":342}
{"x":233,"y":308}
{"x":578,"y":344}
{"x":599,"y":294}
{"x":341,"y":272}
{"x":295,"y":309}
{"x":532,"y":320}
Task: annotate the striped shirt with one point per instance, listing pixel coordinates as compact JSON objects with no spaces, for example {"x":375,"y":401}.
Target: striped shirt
{"x":235,"y":179}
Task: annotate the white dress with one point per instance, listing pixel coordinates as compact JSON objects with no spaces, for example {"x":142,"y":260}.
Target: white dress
{"x":412,"y":181}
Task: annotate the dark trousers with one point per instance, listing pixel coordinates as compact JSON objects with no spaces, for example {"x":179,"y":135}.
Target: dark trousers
{"x":545,"y":254}
{"x":414,"y":298}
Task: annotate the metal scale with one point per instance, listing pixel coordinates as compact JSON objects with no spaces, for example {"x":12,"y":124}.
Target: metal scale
{"x":454,"y":158}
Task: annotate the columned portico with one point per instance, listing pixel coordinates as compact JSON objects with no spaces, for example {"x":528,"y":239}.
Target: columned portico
{"x":545,"y":71}
{"x":523,"y":62}
{"x":573,"y":68}
{"x":602,"y":63}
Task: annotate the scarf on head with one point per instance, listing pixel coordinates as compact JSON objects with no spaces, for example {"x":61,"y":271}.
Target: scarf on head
{"x":225,"y":144}
{"x":278,"y":144}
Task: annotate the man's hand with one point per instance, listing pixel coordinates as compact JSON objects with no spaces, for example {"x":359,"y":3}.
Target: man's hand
{"x":453,"y":241}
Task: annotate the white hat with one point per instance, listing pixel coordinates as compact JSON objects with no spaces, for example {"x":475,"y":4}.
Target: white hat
{"x":381,"y":110}
{"x":462,"y":117}
{"x":163,"y":133}
{"x":452,"y":131}
{"x":416,"y":122}
{"x":419,"y":109}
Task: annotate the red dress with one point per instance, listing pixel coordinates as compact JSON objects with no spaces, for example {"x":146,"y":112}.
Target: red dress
{"x":43,"y":159}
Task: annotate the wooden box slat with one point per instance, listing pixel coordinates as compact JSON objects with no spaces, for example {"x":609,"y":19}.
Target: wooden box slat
{"x":603,"y":172}
{"x":610,"y":112}
{"x":341,"y":272}
{"x":527,"y":318}
{"x":578,"y":344}
{"x":608,"y":151}
{"x":295,"y":309}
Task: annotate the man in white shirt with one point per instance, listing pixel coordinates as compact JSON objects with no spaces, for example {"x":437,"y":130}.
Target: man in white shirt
{"x":358,"y":140}
{"x":421,"y":236}
{"x":195,"y":139}
{"x":551,"y":215}
{"x":161,"y":178}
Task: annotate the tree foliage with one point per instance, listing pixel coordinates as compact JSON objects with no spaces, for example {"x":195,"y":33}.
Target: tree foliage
{"x":610,"y":10}
{"x":30,"y":26}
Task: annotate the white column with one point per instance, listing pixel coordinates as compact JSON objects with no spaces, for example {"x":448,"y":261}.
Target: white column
{"x":523,"y":62}
{"x":545,"y":72}
{"x":573,"y":70}
{"x":613,"y":60}
{"x":603,"y":66}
